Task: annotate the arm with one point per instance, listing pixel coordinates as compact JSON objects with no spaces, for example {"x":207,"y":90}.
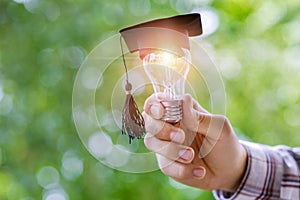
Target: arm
{"x":271,"y":173}
{"x":204,"y":152}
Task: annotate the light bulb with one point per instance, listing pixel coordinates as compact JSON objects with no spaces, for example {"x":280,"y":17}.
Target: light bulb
{"x":167,"y":73}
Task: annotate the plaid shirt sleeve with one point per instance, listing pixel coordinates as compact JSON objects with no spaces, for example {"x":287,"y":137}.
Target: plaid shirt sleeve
{"x":271,"y":173}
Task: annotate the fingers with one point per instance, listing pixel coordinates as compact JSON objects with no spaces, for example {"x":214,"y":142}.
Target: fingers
{"x":163,"y":130}
{"x":189,"y":100}
{"x":197,"y":119}
{"x":191,"y":112}
{"x":170,"y":150}
{"x":180,"y":171}
{"x":175,"y":160}
{"x":212,"y":126}
{"x":153,"y":107}
{"x":166,"y":140}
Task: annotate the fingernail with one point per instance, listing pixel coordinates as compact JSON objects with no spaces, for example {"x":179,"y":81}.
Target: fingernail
{"x":177,"y":136}
{"x":186,"y":154}
{"x":156,"y":111}
{"x":198,"y":172}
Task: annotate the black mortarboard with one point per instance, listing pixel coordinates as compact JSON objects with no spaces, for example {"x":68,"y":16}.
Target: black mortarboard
{"x":171,"y":34}
{"x":167,"y":33}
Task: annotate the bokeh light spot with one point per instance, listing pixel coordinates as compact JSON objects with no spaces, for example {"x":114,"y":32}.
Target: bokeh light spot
{"x":32,"y":5}
{"x":50,"y":72}
{"x":1,"y":93}
{"x":265,"y":101}
{"x":139,"y":8}
{"x":265,"y":17}
{"x":181,"y":6}
{"x":20,"y":1}
{"x":230,"y":67}
{"x":55,"y":194}
{"x":287,"y":94}
{"x":202,"y":2}
{"x":74,"y":55}
{"x":90,"y":78}
{"x":112,"y":12}
{"x":100,"y":144}
{"x":291,"y":57}
{"x":107,"y":121}
{"x":118,"y":156}
{"x":51,"y":10}
{"x":72,"y":166}
{"x":291,"y":115}
{"x":48,"y":177}
{"x":6,"y":105}
{"x":291,"y":32}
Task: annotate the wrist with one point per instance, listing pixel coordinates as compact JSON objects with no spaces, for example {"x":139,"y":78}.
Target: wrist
{"x":238,"y":171}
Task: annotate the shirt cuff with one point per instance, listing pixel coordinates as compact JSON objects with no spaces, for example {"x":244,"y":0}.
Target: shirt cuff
{"x":262,"y":176}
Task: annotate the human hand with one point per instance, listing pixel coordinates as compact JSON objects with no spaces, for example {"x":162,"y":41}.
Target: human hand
{"x":203,"y":152}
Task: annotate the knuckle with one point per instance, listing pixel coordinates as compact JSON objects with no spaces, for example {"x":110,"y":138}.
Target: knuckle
{"x":162,"y":131}
{"x":165,"y":170}
{"x":175,"y":171}
{"x":148,"y":102}
{"x":152,"y":126}
{"x":172,"y":168}
{"x":221,"y":118}
{"x":188,"y":97}
{"x":181,"y":172}
{"x":148,"y":141}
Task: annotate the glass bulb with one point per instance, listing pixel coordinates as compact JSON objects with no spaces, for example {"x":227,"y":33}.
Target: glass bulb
{"x":168,"y":73}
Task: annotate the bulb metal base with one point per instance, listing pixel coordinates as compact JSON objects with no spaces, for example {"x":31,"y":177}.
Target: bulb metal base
{"x":173,"y":111}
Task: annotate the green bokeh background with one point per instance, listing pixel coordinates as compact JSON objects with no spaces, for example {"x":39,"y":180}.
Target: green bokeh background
{"x":43,"y":42}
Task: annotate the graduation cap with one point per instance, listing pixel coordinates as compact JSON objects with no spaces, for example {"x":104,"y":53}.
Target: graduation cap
{"x":169,"y":34}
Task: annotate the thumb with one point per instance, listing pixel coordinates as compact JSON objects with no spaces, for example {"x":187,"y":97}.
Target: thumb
{"x":156,"y":111}
{"x":153,"y":107}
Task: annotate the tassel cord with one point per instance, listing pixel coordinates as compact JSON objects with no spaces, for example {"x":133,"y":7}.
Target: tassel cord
{"x":124,"y":62}
{"x":133,"y":123}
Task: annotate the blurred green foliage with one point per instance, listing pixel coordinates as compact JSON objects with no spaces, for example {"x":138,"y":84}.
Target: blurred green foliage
{"x":256,"y":47}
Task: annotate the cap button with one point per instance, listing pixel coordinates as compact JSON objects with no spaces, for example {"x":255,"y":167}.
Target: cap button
{"x":128,"y":87}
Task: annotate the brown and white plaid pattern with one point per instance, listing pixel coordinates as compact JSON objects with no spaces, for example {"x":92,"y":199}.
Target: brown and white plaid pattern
{"x":272,"y":173}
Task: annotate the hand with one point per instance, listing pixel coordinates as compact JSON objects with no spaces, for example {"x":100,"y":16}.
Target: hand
{"x":203,"y":152}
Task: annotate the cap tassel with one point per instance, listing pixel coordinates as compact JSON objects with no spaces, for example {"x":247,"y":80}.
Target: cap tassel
{"x":133,"y":123}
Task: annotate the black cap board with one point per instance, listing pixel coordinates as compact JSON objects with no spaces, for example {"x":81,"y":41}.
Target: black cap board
{"x":166,"y":33}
